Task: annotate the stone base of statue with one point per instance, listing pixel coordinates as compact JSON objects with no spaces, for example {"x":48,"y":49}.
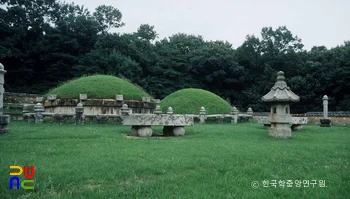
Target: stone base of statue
{"x":4,"y":121}
{"x":280,"y":132}
{"x":325,"y":122}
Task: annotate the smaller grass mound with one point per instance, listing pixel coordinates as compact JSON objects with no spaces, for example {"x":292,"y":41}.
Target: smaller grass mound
{"x":99,"y":87}
{"x":190,"y":100}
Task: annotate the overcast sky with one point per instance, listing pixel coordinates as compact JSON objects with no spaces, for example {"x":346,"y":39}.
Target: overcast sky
{"x":316,"y":22}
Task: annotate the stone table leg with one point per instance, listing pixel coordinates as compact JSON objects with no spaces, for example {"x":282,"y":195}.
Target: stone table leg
{"x":144,"y":131}
{"x":179,"y":131}
{"x":134,"y":130}
{"x":296,"y":127}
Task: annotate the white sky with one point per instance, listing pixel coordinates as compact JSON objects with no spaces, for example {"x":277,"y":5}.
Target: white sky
{"x":316,"y":22}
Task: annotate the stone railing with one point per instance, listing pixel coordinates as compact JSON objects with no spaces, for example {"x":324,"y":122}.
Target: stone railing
{"x":99,"y":106}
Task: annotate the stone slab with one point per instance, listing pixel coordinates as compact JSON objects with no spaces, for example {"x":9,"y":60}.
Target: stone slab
{"x":295,"y":120}
{"x":158,"y":120}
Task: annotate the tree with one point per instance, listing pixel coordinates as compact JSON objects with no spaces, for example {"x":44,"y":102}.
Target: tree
{"x":146,"y":32}
{"x":108,"y":17}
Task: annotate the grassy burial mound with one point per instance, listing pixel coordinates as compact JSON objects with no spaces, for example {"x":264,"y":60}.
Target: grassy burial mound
{"x":190,"y":100}
{"x":99,"y":87}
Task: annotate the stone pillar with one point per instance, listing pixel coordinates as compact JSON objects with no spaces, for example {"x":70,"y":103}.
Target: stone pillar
{"x":234,"y":113}
{"x":170,"y":110}
{"x":79,"y":110}
{"x":158,"y":110}
{"x":38,"y":110}
{"x":325,"y":122}
{"x":202,"y":114}
{"x":4,"y":119}
{"x":325,"y":106}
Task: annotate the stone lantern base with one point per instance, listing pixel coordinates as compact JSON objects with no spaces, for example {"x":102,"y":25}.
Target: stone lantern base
{"x":280,"y":132}
{"x":4,"y":121}
{"x":325,"y":122}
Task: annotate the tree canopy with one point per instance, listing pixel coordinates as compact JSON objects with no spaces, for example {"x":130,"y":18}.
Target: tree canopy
{"x":45,"y":43}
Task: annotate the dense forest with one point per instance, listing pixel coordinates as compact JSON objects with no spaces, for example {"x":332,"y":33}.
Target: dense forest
{"x":46,"y":42}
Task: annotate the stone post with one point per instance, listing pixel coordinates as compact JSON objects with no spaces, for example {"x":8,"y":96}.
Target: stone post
{"x":4,"y":119}
{"x":38,"y":110}
{"x":202,"y":114}
{"x":250,"y":114}
{"x":170,"y":110}
{"x":325,"y":122}
{"x":125,"y":110}
{"x":79,"y":110}
{"x":158,"y":110}
{"x":234,"y":113}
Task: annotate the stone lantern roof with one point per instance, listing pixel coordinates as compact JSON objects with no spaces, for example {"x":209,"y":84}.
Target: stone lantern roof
{"x":280,"y":92}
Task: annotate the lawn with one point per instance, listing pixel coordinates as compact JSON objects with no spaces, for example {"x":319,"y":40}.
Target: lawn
{"x":211,"y":161}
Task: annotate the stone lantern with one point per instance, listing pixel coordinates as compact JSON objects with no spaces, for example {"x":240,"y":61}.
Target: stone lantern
{"x":279,"y":97}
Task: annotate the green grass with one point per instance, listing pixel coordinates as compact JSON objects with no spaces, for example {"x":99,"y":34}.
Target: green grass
{"x":99,"y":87}
{"x":190,"y":100}
{"x":211,"y":161}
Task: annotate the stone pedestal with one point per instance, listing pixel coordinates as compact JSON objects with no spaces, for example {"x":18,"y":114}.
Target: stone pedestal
{"x":280,"y":132}
{"x":4,"y":121}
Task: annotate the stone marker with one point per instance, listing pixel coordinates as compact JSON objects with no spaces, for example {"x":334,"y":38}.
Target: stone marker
{"x":146,"y":99}
{"x":325,"y":122}
{"x":250,"y":114}
{"x":234,"y":113}
{"x":119,"y":97}
{"x":202,"y":114}
{"x":279,"y":97}
{"x":51,"y":97}
{"x":4,"y":119}
{"x":82,"y":97}
{"x":158,"y":110}
{"x":38,"y":110}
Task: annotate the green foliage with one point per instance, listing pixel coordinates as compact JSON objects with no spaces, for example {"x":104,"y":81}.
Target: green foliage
{"x":211,"y":161}
{"x":99,"y":86}
{"x":189,"y":101}
{"x":65,"y":41}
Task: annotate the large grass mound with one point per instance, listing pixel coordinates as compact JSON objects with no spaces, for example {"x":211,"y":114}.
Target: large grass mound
{"x":99,"y":87}
{"x":190,"y":100}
